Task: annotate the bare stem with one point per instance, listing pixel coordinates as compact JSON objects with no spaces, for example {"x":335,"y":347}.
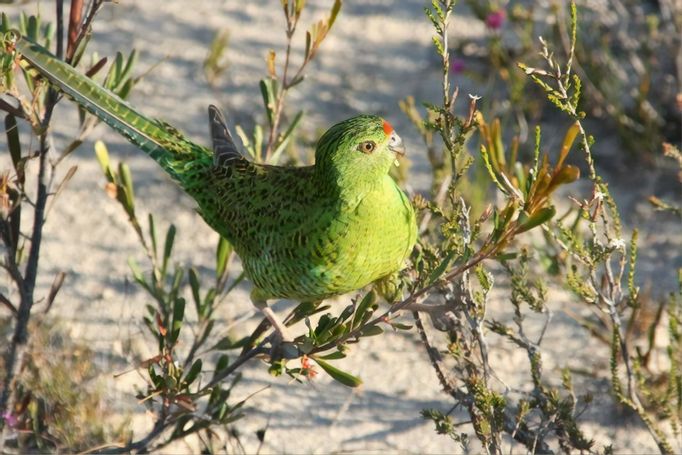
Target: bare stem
{"x":279,"y":105}
{"x":19,"y":344}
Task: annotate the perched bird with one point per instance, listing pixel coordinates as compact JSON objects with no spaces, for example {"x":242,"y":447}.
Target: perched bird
{"x":305,"y":233}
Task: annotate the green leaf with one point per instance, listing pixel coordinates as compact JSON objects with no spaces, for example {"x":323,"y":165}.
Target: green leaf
{"x":130,"y":64}
{"x":438,"y":44}
{"x":438,"y":271}
{"x":32,"y":30}
{"x":325,"y":323}
{"x":506,"y":257}
{"x":152,"y":234}
{"x":127,"y":182}
{"x":432,"y":18}
{"x":168,"y":248}
{"x":222,"y":254}
{"x":222,"y":363}
{"x":124,"y":91}
{"x":308,"y":41}
{"x":305,"y":309}
{"x":178,"y":315}
{"x":484,"y":278}
{"x":194,"y":285}
{"x":334,"y":12}
{"x":268,"y":89}
{"x":491,"y":171}
{"x":298,"y":6}
{"x":286,"y":138}
{"x":4,"y":23}
{"x":23,"y":19}
{"x":336,"y":355}
{"x":193,"y":372}
{"x":80,"y":50}
{"x":115,"y":72}
{"x":527,"y":223}
{"x":346,"y":313}
{"x":400,"y":326}
{"x":177,"y":281}
{"x":257,"y":141}
{"x":367,"y":302}
{"x":341,"y":376}
{"x":209,"y":298}
{"x":103,"y":159}
{"x":135,"y":268}
{"x":245,"y":140}
{"x":372,"y":330}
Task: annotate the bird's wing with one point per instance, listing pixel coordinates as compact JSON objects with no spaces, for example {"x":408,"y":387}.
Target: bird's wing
{"x":224,"y":149}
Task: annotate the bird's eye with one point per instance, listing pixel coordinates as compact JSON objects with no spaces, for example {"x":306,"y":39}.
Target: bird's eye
{"x":367,"y":147}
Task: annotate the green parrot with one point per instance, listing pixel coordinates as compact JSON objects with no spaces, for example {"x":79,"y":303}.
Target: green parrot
{"x":304,"y":233}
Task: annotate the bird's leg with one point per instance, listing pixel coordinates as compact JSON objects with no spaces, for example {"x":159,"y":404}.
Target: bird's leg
{"x":260,"y":302}
{"x":285,"y":346}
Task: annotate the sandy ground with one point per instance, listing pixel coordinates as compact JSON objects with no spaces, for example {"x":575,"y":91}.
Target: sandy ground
{"x":378,"y":52}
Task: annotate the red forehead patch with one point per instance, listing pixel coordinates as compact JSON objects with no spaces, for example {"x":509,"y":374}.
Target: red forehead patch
{"x":388,"y":129}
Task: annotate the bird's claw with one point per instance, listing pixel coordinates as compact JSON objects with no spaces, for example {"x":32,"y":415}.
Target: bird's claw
{"x":283,"y":347}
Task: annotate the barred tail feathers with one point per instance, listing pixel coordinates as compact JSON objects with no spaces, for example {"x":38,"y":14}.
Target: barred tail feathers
{"x":160,"y":141}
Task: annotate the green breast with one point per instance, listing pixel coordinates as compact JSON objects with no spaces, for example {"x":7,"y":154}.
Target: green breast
{"x":296,"y":241}
{"x":307,"y":246}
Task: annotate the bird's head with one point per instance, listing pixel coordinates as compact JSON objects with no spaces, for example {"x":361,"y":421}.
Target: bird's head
{"x":359,"y":150}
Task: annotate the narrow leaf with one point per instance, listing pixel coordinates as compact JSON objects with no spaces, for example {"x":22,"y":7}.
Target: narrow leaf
{"x":367,"y":302}
{"x":569,"y":138}
{"x":152,"y":234}
{"x":567,"y":174}
{"x":372,"y":330}
{"x":334,"y":12}
{"x":341,"y":376}
{"x":336,"y":355}
{"x":12,"y":132}
{"x":527,"y":223}
{"x":193,"y":372}
{"x":440,"y":269}
{"x":178,"y":315}
{"x":222,"y":254}
{"x":168,"y":248}
{"x":194,"y":285}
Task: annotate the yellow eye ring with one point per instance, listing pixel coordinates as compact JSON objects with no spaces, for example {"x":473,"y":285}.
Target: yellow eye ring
{"x":367,"y":147}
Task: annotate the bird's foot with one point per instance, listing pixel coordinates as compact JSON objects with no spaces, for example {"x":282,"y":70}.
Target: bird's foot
{"x":283,"y":346}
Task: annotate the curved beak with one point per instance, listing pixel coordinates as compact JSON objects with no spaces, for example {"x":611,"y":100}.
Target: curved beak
{"x":397,"y":146}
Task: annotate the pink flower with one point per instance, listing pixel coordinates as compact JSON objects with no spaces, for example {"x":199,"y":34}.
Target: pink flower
{"x":495,"y":19}
{"x":10,"y":419}
{"x":307,"y":368}
{"x":457,"y":65}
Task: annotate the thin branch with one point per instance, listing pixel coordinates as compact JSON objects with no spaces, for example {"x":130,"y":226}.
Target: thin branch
{"x":16,"y":111}
{"x":9,"y":305}
{"x":162,"y":424}
{"x":19,"y":344}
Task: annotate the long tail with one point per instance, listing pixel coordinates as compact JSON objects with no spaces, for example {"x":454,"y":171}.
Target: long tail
{"x":162,"y":142}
